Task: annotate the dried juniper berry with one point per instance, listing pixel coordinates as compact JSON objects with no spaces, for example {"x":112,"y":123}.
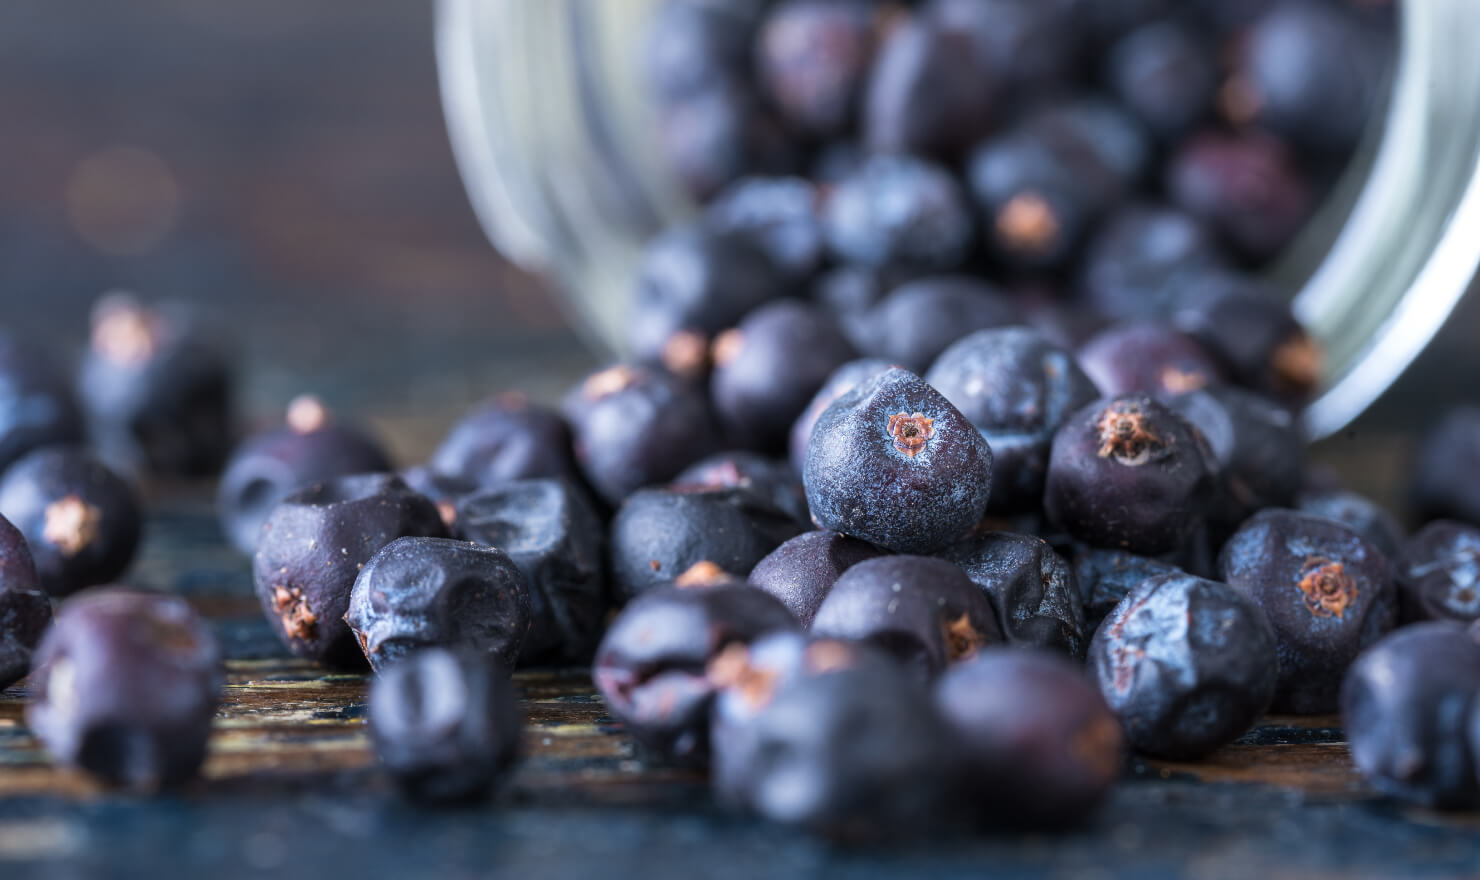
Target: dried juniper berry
{"x":899,"y":212}
{"x":802,"y":571}
{"x":768,"y":367}
{"x":1016,"y":388}
{"x":1138,"y":262}
{"x":25,"y":609}
{"x":924,"y":611}
{"x":1128,"y":473}
{"x":1166,"y":74}
{"x":1149,"y":357}
{"x":82,"y":521}
{"x":651,"y":665}
{"x":891,"y":462}
{"x":550,"y":531}
{"x":658,"y":534}
{"x":930,"y":91}
{"x":314,"y":545}
{"x":779,"y":216}
{"x":1405,"y":706}
{"x":506,"y":438}
{"x":1358,"y":513}
{"x":722,"y":134}
{"x":417,"y":593}
{"x":842,"y":380}
{"x":1328,"y":594}
{"x":1186,"y":664}
{"x":1245,"y":186}
{"x":1446,"y":468}
{"x":1105,"y":577}
{"x":772,"y":479}
{"x":446,"y":724}
{"x":1031,"y":588}
{"x":839,"y":742}
{"x":636,"y":426}
{"x":126,"y":686}
{"x":1097,"y":130}
{"x":695,"y":45}
{"x":158,"y":388}
{"x":813,"y":58}
{"x":442,"y":490}
{"x":848,"y":291}
{"x":1037,"y":746}
{"x":270,"y":466}
{"x":37,"y":404}
{"x":1247,"y":325}
{"x":696,"y":278}
{"x":1439,"y":573}
{"x":1028,"y":47}
{"x":919,"y":320}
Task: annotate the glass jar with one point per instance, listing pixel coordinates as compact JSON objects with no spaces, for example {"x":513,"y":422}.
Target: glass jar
{"x":555,"y":140}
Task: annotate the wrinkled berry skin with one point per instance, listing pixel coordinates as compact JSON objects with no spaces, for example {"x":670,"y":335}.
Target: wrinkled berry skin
{"x":1106,"y":576}
{"x":37,"y":404}
{"x":848,"y":748}
{"x":82,"y":521}
{"x":1147,"y":357}
{"x":636,"y":426}
{"x":1405,"y":704}
{"x":1016,"y":387}
{"x":417,"y":593}
{"x":771,"y":479}
{"x":25,"y":609}
{"x":1167,"y":74}
{"x":313,"y":547}
{"x":779,"y":216}
{"x":270,"y":466}
{"x":1358,"y":513}
{"x":658,"y":534}
{"x":767,"y":368}
{"x":891,"y":462}
{"x":842,"y":380}
{"x":1439,"y":573}
{"x":1328,"y":594}
{"x":126,"y":686}
{"x":930,"y":92}
{"x":1038,"y":746}
{"x":1031,"y":588}
{"x":1248,"y":327}
{"x":1139,"y":261}
{"x":899,"y":212}
{"x":446,"y":724}
{"x":802,"y":571}
{"x":1187,"y":665}
{"x":550,"y":531}
{"x":1246,"y":187}
{"x":1446,"y":469}
{"x":813,"y":58}
{"x":650,"y":667}
{"x":924,"y":611}
{"x":1130,"y":474}
{"x":503,"y":439}
{"x":917,"y":321}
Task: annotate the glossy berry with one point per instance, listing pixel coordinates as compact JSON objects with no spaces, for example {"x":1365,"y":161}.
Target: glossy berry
{"x":919,"y":320}
{"x":1031,"y":588}
{"x":813,"y":58}
{"x":658,"y":534}
{"x":1439,"y":573}
{"x":37,"y":404}
{"x":1358,"y":513}
{"x":82,"y":521}
{"x":1186,"y":664}
{"x":802,"y":571}
{"x":1248,"y":326}
{"x":126,"y":686}
{"x":1258,"y":447}
{"x":1328,"y":594}
{"x":1016,"y":388}
{"x":1446,"y":468}
{"x":25,"y":609}
{"x":1128,"y":473}
{"x":771,"y":479}
{"x":891,"y":462}
{"x":1037,"y":746}
{"x":930,"y":92}
{"x":551,"y":533}
{"x":720,"y":135}
{"x":1405,"y":706}
{"x":1148,"y":357}
{"x":899,"y":212}
{"x":417,"y":593}
{"x":446,"y":724}
{"x":270,"y":466}
{"x":651,"y":665}
{"x":313,"y":547}
{"x":636,"y":426}
{"x":924,"y":611}
{"x":842,"y":380}
{"x":158,"y":388}
{"x":779,"y":216}
{"x":1165,"y":73}
{"x":1139,"y":260}
{"x":506,"y":438}
{"x":1106,"y":576}
{"x":767,"y":368}
{"x":1244,"y":186}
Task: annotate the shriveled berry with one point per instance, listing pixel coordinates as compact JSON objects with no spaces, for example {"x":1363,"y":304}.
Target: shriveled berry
{"x":25,"y":609}
{"x":779,"y":216}
{"x":1148,"y":357}
{"x":314,"y":545}
{"x":1186,"y":664}
{"x":1358,"y":513}
{"x":891,"y":462}
{"x":37,"y":404}
{"x":1446,"y":468}
{"x":813,"y":58}
{"x":1256,"y":443}
{"x":1328,"y":594}
{"x":1105,"y":577}
{"x":126,"y":686}
{"x":1439,"y":573}
{"x":842,"y":380}
{"x":505,"y":438}
{"x":771,"y":479}
{"x":82,"y":521}
{"x":446,"y":724}
{"x":899,"y":212}
{"x":802,"y":571}
{"x":442,"y":490}
{"x":1031,"y":588}
{"x":919,"y":320}
{"x":1248,"y":326}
